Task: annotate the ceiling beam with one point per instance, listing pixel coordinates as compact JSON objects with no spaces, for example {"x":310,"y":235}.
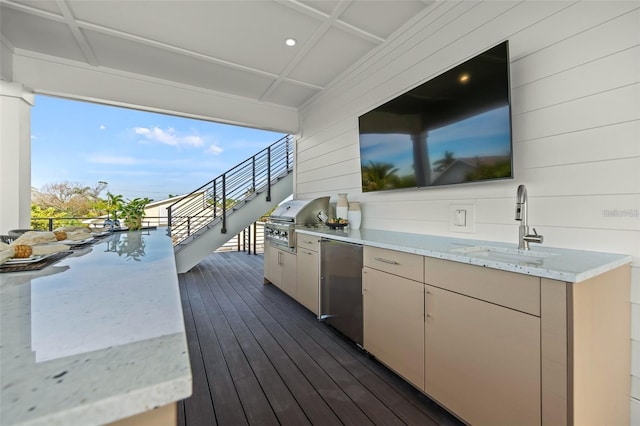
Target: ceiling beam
{"x":304,"y":50}
{"x":321,"y":16}
{"x":79,"y":25}
{"x":70,"y":21}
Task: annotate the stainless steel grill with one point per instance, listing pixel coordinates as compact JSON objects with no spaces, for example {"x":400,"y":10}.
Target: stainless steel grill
{"x":280,"y":228}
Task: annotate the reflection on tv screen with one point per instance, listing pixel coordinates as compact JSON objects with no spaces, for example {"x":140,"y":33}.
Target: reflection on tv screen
{"x":455,"y":128}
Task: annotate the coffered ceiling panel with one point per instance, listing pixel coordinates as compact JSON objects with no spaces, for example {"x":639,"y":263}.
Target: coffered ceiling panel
{"x":333,"y":53}
{"x":40,"y":34}
{"x":231,"y":46}
{"x":380,"y":18}
{"x":148,"y":60}
{"x":221,"y":29}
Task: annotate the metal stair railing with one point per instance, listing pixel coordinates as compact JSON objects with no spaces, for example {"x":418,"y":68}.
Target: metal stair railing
{"x":213,"y":201}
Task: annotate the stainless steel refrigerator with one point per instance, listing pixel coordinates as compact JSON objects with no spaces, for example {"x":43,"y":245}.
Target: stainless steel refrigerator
{"x":341,"y":287}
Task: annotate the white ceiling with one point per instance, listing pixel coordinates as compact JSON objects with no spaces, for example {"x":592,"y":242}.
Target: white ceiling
{"x":229,"y":46}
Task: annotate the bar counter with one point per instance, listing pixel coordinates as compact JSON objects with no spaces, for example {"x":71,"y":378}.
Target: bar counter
{"x":96,"y":337}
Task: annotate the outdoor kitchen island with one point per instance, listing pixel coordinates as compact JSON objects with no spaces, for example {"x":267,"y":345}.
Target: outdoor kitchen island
{"x":96,"y":337}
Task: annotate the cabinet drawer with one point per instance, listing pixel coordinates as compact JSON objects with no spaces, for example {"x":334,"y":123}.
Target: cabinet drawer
{"x":508,"y":289}
{"x":395,"y":262}
{"x":309,"y":242}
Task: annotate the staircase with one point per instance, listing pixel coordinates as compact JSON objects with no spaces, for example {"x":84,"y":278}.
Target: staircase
{"x":205,"y":219}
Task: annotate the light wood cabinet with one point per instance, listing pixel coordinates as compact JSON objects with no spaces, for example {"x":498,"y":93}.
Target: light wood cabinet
{"x":308,"y":272}
{"x":394,"y":262}
{"x":482,"y":361}
{"x":516,"y":291}
{"x":280,"y":269}
{"x":270,"y":263}
{"x":499,"y":347}
{"x":394,"y":322}
{"x":586,"y":354}
{"x":483,"y":348}
{"x":288,"y":272}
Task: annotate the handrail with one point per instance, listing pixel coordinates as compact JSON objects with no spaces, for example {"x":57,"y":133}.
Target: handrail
{"x":213,"y":200}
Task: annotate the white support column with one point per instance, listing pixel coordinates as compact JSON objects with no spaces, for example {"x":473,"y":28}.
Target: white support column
{"x":15,"y":156}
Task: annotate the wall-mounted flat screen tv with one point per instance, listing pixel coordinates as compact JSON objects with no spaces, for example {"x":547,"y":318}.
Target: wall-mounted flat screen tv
{"x":452,"y":129}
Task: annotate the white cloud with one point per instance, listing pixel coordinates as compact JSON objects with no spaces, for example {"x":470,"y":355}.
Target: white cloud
{"x":168,"y":136}
{"x":34,"y":137}
{"x":102,"y":127}
{"x":214,"y":150}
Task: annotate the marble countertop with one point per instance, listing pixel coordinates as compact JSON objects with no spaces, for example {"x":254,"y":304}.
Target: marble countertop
{"x":94,"y":338}
{"x":542,"y":261}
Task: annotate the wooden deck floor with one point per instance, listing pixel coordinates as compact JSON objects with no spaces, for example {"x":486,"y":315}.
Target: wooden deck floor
{"x":260,"y":358}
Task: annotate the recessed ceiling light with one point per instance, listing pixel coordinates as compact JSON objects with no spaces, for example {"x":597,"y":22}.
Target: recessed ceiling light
{"x":464,"y":78}
{"x":290,"y":42}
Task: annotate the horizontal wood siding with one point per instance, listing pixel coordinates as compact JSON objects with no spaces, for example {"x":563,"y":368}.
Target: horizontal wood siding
{"x":576,"y":126}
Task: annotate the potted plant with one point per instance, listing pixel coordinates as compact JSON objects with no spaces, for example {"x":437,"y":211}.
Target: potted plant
{"x":133,"y":212}
{"x":113,"y":204}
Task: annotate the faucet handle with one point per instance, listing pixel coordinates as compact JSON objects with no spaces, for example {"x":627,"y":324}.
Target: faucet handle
{"x":535,"y":238}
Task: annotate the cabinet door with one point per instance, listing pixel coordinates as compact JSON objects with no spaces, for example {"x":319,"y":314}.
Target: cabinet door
{"x":307,"y":271}
{"x":394,"y":323}
{"x":272,"y":265}
{"x":482,"y":361}
{"x":288,"y":273}
{"x":268,"y":254}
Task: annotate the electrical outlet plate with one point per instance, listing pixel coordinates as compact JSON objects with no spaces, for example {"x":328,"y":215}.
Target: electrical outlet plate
{"x":462,"y":218}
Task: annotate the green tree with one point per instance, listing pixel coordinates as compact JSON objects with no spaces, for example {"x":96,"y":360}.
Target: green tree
{"x":70,"y":198}
{"x":377,"y":176}
{"x":444,"y":162}
{"x":113,"y":204}
{"x":40,"y":218}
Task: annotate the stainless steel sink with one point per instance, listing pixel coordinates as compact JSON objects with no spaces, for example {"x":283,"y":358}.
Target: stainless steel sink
{"x":504,"y":254}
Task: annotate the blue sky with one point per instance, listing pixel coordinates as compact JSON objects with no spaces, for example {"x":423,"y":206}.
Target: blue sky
{"x":140,"y":154}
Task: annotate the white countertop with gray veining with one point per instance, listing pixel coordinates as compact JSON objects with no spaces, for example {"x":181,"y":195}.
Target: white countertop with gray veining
{"x":542,"y":261}
{"x":94,"y":338}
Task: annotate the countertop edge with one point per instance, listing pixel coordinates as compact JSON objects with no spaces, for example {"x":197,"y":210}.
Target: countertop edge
{"x":558,"y":275}
{"x":126,"y":405}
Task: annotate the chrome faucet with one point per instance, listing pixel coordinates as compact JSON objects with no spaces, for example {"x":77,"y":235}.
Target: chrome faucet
{"x":521,"y":215}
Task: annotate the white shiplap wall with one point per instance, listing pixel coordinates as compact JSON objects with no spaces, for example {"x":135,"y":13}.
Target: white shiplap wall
{"x":575,"y":71}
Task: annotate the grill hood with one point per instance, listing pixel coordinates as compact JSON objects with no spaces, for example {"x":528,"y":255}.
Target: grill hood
{"x":301,"y":212}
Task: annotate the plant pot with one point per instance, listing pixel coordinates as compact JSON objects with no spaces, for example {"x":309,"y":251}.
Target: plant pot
{"x":354,"y":215}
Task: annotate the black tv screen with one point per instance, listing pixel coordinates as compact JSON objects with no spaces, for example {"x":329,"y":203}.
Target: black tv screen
{"x":454,"y":128}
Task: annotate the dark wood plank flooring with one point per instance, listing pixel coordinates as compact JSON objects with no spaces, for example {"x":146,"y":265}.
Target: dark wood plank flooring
{"x":260,"y":358}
